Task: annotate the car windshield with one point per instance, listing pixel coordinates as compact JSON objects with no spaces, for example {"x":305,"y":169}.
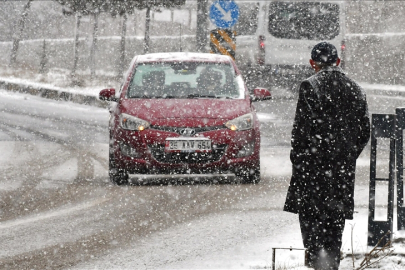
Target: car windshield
{"x":304,"y":20}
{"x":185,"y":80}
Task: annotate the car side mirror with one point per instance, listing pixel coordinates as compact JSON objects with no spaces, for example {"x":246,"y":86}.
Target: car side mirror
{"x":260,"y":94}
{"x":108,"y":95}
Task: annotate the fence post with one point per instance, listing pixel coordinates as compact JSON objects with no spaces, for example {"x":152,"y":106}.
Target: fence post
{"x":399,"y":136}
{"x":383,"y":126}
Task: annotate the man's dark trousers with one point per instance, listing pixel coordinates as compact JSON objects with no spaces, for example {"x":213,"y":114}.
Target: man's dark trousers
{"x":322,"y":237}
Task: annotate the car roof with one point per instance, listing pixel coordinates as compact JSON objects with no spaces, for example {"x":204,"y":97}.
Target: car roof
{"x":183,"y":56}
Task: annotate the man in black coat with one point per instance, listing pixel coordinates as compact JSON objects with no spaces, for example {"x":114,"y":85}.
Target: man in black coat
{"x":331,"y":128}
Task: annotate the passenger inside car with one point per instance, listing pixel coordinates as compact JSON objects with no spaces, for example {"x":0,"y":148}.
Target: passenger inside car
{"x":154,"y":82}
{"x":209,"y":82}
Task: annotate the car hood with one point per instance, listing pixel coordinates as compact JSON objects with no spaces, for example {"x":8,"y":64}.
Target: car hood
{"x":159,"y":111}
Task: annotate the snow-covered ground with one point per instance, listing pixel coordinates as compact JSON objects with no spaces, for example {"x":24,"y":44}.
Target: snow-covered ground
{"x":252,"y":254}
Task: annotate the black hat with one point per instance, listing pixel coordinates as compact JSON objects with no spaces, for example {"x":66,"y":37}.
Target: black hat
{"x":325,"y":53}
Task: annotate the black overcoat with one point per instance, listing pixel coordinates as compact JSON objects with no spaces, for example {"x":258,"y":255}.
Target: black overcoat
{"x":331,"y":128}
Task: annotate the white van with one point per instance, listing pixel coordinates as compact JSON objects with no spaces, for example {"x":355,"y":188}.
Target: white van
{"x":274,"y":39}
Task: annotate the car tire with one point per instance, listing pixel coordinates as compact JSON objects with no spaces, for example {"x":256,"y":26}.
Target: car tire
{"x":251,"y":176}
{"x":117,"y":176}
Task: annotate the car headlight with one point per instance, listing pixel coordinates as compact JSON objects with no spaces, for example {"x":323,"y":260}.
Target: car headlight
{"x":243,"y":122}
{"x":133,"y":123}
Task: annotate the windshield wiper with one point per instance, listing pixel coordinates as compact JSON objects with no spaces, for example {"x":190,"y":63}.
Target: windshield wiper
{"x":144,"y":96}
{"x":201,"y":96}
{"x":207,"y":96}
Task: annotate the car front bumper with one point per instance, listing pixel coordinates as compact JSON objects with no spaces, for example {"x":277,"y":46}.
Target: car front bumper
{"x":142,"y":152}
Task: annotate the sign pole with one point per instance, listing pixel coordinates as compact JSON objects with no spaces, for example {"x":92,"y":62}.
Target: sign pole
{"x":224,"y":14}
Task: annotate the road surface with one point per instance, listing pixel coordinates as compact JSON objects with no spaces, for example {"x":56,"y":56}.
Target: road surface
{"x":59,"y":211}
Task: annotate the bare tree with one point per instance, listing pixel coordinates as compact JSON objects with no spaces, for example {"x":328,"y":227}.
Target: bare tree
{"x":82,"y":8}
{"x":76,"y":45}
{"x":114,"y":7}
{"x":154,"y":5}
{"x":122,"y":44}
{"x":17,"y":38}
{"x":93,"y":47}
{"x":124,"y":7}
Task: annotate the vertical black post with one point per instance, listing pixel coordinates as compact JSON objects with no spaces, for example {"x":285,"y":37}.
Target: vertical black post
{"x":383,"y":126}
{"x":400,"y":126}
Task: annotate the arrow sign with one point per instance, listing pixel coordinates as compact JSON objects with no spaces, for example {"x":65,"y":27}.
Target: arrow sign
{"x":224,"y":13}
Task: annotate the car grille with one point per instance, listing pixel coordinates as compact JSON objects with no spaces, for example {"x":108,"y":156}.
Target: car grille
{"x":158,"y":152}
{"x":178,"y":129}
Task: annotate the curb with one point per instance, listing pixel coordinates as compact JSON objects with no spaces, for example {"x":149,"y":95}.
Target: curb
{"x":53,"y":94}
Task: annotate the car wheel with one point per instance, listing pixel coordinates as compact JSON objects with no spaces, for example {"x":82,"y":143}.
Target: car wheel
{"x":251,"y":176}
{"x":117,"y":176}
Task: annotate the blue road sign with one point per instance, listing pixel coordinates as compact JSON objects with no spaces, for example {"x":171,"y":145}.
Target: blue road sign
{"x":224,"y":13}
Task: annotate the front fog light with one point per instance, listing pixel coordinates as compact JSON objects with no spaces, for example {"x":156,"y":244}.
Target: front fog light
{"x":128,"y":151}
{"x":246,"y":150}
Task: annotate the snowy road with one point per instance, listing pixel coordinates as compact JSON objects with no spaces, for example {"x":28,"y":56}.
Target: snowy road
{"x":58,"y":210}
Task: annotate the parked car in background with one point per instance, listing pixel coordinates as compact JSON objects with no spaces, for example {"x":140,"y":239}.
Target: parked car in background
{"x":274,"y":38}
{"x":184,"y":113}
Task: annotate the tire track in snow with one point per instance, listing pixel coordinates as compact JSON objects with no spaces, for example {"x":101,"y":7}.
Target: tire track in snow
{"x":85,"y":158}
{"x":25,"y":197}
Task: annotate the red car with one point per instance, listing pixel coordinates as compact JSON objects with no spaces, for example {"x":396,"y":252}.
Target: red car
{"x":184,"y":113}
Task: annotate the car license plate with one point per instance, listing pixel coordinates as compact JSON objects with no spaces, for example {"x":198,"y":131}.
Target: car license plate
{"x":188,"y":145}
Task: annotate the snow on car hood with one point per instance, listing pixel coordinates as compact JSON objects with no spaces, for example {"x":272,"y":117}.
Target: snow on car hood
{"x":158,"y":110}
